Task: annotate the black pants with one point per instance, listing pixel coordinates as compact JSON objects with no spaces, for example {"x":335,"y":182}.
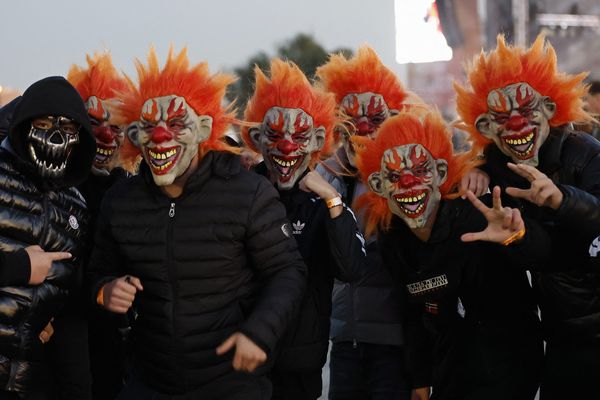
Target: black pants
{"x":571,"y":371}
{"x":292,"y":385}
{"x":367,"y":371}
{"x":233,"y":386}
{"x":107,"y":355}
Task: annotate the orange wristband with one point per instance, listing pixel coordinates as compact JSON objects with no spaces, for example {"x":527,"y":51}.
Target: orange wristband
{"x":514,"y":237}
{"x":100,"y":296}
{"x":334,"y":202}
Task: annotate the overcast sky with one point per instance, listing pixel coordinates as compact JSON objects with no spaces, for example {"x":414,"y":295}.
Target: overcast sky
{"x":44,"y":37}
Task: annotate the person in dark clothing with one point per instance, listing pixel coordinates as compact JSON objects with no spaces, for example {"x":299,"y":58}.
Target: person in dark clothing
{"x":49,"y":150}
{"x":6,"y":113}
{"x":292,"y":125}
{"x":196,"y":244}
{"x":553,"y":175}
{"x":98,"y":85}
{"x":366,"y":360}
{"x":471,"y":323}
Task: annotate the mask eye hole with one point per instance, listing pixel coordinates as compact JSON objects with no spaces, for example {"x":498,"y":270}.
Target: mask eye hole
{"x":42,"y":123}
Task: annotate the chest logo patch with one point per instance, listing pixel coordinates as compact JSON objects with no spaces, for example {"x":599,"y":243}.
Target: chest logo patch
{"x":287,"y":231}
{"x":298,"y":226}
{"x":73,"y":223}
{"x":595,"y":247}
{"x":428,"y":284}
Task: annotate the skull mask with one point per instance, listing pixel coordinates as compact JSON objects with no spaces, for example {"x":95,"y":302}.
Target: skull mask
{"x":50,"y":142}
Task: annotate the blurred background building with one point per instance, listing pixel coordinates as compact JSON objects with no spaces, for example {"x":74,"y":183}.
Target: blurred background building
{"x":572,"y":26}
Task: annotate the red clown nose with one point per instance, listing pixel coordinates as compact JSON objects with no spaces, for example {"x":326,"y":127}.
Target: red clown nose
{"x":104,"y":134}
{"x":408,"y":180}
{"x":516,"y":122}
{"x":286,"y":147}
{"x":160,"y":134}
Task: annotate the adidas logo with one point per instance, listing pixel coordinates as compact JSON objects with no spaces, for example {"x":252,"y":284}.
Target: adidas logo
{"x":298,"y":226}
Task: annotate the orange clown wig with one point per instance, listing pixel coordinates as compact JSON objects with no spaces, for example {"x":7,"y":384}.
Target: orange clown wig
{"x":99,"y":79}
{"x":508,"y":65}
{"x":202,"y":91}
{"x":363,"y":73}
{"x":426,"y":129}
{"x":288,"y":87}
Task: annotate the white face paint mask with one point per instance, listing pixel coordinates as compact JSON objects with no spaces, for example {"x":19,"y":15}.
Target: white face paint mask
{"x":168,"y":133}
{"x":367,"y":111}
{"x":109,"y":137}
{"x":287,"y":139}
{"x":410,"y":180}
{"x":517,"y":121}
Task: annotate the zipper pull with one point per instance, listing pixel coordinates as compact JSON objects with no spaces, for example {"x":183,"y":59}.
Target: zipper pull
{"x":172,"y":210}
{"x":354,"y":344}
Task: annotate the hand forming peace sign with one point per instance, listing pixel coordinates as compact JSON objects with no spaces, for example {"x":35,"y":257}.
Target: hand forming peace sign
{"x":543,"y":192}
{"x":504,"y":223}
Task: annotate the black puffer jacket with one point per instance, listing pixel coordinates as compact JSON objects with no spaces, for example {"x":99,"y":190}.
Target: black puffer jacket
{"x":216,"y":260}
{"x":569,"y":285}
{"x":33,"y":212}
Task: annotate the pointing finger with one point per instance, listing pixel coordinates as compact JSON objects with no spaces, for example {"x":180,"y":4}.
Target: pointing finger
{"x":477,"y":203}
{"x":496,"y":200}
{"x":59,"y":255}
{"x":226,"y":345}
{"x":519,"y":193}
{"x":517,"y":169}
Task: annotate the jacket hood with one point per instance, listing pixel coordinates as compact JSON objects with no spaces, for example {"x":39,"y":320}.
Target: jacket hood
{"x":54,"y":96}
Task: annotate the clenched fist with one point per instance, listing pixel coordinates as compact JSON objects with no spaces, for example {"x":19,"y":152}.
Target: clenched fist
{"x":118,"y":295}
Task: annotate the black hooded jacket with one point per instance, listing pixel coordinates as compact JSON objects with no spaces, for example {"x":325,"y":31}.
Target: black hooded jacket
{"x":568,"y":286}
{"x":50,"y":214}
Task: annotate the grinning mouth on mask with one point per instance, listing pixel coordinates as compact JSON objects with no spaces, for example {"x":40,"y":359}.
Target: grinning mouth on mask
{"x":286,"y":166}
{"x":49,"y":144}
{"x":51,"y":162}
{"x":413,"y":203}
{"x":522,"y":143}
{"x":162,"y":159}
{"x":104,"y":154}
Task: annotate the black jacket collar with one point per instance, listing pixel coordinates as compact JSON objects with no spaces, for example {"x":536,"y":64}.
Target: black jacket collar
{"x":214,"y":163}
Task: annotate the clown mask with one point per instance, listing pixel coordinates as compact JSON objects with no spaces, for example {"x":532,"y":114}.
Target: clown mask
{"x":287,"y":140}
{"x":367,"y":111}
{"x":108,"y":137}
{"x":410,"y":180}
{"x":517,"y":121}
{"x":168,"y":134}
{"x":50,"y":142}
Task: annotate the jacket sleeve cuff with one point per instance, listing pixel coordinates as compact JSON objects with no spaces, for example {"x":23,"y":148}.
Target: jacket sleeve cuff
{"x":256,"y":339}
{"x":16,"y":269}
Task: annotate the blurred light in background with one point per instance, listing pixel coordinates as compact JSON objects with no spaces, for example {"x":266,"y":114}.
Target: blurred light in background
{"x":419,"y":38}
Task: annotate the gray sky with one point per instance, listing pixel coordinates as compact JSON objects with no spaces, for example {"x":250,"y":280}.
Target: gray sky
{"x":44,"y":37}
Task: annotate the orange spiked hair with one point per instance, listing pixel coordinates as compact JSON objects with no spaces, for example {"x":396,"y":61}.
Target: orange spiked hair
{"x":363,"y":73}
{"x":428,"y":130}
{"x":202,"y":91}
{"x":509,"y":64}
{"x":99,"y":79}
{"x":288,"y":87}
